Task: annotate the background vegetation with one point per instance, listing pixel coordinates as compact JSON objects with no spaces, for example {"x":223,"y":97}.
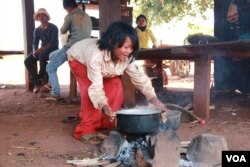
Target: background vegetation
{"x":163,"y":11}
{"x":173,"y":20}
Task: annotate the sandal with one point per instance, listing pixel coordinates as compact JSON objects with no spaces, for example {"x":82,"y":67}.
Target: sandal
{"x":44,"y":90}
{"x":36,"y":88}
{"x":75,"y":101}
{"x":57,"y":99}
{"x":91,"y":139}
{"x":52,"y":98}
{"x":71,"y":118}
{"x":48,"y":87}
{"x":61,"y":101}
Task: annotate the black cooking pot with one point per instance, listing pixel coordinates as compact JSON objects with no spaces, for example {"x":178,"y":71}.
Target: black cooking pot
{"x":138,"y":120}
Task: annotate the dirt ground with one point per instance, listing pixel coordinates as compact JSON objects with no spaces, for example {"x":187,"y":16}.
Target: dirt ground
{"x":33,"y":134}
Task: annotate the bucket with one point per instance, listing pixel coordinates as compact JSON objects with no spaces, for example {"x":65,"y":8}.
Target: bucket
{"x":173,"y":120}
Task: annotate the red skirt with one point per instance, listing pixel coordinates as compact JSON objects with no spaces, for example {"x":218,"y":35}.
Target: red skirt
{"x":93,"y":119}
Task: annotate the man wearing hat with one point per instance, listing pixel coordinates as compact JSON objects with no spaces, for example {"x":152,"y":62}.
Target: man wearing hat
{"x":47,"y":34}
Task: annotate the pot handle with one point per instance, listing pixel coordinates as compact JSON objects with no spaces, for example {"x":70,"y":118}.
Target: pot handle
{"x":175,"y":106}
{"x":183,"y":109}
{"x":163,"y":116}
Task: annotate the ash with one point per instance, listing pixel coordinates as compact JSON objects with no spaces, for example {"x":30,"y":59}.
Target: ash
{"x":186,"y":163}
{"x":126,"y":153}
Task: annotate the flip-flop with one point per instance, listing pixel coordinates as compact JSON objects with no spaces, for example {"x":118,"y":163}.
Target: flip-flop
{"x":91,"y":139}
{"x":75,"y":101}
{"x":47,"y":87}
{"x":71,"y":118}
{"x":61,"y":101}
{"x":44,"y":90}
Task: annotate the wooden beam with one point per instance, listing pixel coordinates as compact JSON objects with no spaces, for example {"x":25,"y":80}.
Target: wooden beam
{"x":10,"y":52}
{"x":164,"y":54}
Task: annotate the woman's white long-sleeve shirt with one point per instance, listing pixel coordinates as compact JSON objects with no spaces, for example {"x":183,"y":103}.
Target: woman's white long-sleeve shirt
{"x":99,"y":65}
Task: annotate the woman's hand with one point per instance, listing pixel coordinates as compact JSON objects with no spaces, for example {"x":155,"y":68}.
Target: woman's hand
{"x":107,"y":111}
{"x":158,"y":103}
{"x":161,"y":106}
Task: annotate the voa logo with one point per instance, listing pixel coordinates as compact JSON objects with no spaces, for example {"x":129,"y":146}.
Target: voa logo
{"x":236,"y":158}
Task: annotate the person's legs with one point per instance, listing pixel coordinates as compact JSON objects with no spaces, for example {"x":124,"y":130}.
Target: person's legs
{"x":89,"y":116}
{"x":153,"y":69}
{"x":56,"y":59}
{"x":93,"y":119}
{"x":30,"y":64}
{"x":43,"y":61}
{"x":158,"y":85}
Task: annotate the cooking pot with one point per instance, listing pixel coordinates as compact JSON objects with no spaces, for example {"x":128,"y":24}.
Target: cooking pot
{"x":138,"y":120}
{"x":147,"y":120}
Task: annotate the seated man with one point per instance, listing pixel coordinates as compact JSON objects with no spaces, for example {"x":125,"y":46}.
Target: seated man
{"x":47,"y":33}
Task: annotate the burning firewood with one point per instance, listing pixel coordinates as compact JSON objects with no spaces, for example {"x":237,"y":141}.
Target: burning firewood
{"x":141,"y":162}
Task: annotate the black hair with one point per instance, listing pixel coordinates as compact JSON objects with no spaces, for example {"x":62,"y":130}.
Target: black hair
{"x":141,"y":15}
{"x":69,"y":4}
{"x":115,"y":37}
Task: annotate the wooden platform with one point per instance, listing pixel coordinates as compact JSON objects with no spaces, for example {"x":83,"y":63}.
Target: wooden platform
{"x":202,"y":55}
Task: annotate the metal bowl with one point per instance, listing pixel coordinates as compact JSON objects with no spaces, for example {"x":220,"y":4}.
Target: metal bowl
{"x":173,"y":120}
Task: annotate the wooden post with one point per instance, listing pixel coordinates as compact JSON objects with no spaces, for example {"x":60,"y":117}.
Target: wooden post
{"x":109,"y":11}
{"x":28,"y":28}
{"x":72,"y":86}
{"x":128,"y":92}
{"x":202,"y":85}
{"x":220,"y":19}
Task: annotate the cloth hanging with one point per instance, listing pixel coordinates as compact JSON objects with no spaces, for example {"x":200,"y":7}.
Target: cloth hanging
{"x":232,"y":14}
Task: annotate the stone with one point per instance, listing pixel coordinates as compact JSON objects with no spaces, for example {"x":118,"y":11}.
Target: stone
{"x":167,"y":149}
{"x":206,"y":148}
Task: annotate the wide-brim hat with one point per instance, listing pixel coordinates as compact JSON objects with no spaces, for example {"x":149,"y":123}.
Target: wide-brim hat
{"x":41,"y":11}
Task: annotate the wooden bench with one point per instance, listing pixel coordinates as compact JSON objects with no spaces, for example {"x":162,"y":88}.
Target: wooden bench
{"x":6,"y":53}
{"x":72,"y":85}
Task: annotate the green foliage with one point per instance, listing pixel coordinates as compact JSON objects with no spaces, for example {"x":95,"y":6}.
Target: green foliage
{"x":164,"y":11}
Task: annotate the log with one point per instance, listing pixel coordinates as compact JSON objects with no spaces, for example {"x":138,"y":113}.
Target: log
{"x":185,"y":144}
{"x":88,"y":162}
